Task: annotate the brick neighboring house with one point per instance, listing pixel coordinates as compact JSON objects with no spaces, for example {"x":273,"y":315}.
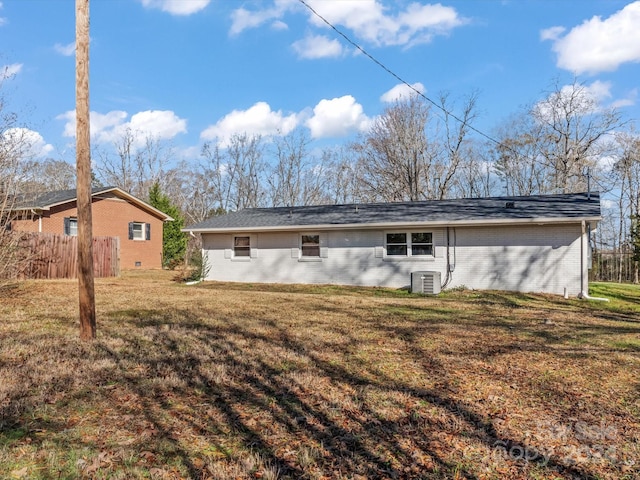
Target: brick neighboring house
{"x":115,"y":213}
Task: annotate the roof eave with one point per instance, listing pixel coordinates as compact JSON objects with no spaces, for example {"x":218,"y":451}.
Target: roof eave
{"x":144,"y":205}
{"x":387,"y":225}
{"x":118,"y":191}
{"x":38,"y":210}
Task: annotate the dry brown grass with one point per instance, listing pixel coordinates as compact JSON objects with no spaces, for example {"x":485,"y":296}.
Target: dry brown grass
{"x":241,"y":381}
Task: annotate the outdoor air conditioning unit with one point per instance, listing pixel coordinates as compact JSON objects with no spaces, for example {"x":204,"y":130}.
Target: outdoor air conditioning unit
{"x":427,"y":283}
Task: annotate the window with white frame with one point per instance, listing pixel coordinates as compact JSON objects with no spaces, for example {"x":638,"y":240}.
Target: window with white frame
{"x":310,"y":245}
{"x":421,"y":243}
{"x":409,"y":244}
{"x":139,"y":231}
{"x":397,"y":244}
{"x":242,"y":246}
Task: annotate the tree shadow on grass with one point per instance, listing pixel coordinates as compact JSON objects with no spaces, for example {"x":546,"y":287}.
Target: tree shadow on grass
{"x":202,"y":391}
{"x":353,"y":439}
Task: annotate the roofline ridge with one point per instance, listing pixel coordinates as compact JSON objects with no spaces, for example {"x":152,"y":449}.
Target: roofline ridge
{"x":414,"y":202}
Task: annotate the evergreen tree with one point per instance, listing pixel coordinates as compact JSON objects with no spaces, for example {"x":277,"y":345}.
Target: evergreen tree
{"x":174,"y":241}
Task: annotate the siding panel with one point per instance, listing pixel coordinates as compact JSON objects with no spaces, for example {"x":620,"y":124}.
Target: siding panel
{"x":521,"y":258}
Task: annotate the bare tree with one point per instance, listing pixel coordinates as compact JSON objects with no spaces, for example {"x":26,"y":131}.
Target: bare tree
{"x":627,"y":173}
{"x":287,"y":174}
{"x":410,"y":154}
{"x":9,"y":176}
{"x":15,"y":168}
{"x":190,"y":187}
{"x":296,"y":177}
{"x":476,"y":175}
{"x":457,"y":149}
{"x":46,"y":175}
{"x":517,"y":159}
{"x":235,"y":173}
{"x":215,"y":178}
{"x":140,"y":161}
{"x":343,"y":183}
{"x":246,"y":165}
{"x":395,"y":156}
{"x":118,"y":170}
{"x":573,"y":134}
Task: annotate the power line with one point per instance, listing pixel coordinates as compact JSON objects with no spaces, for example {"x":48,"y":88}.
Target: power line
{"x":419,"y":93}
{"x":398,"y":77}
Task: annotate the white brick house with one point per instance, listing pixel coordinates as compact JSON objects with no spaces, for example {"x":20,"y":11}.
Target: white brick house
{"x":528,"y":244}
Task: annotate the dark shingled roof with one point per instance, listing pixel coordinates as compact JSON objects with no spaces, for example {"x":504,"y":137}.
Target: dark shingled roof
{"x":44,"y":200}
{"x":555,"y":207}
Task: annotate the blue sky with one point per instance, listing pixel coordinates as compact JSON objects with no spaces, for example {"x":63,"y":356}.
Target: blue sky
{"x":190,"y":71}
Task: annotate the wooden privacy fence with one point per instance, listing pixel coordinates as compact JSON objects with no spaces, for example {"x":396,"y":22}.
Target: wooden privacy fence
{"x":48,"y":256}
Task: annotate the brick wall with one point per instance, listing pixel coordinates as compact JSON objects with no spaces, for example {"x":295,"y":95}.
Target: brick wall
{"x":111,"y":217}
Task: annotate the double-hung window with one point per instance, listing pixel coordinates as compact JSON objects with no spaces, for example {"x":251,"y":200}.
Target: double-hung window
{"x":397,"y":244}
{"x":242,"y":246}
{"x":139,"y":231}
{"x":310,"y":246}
{"x":421,"y":243}
{"x":409,"y":244}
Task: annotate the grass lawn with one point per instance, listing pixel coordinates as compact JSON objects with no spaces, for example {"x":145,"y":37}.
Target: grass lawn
{"x":229,"y":381}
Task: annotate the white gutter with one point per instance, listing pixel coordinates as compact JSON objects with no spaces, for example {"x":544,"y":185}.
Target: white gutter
{"x":386,"y":225}
{"x":584,"y":279}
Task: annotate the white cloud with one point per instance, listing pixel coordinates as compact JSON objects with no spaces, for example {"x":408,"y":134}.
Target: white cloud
{"x":3,"y":21}
{"x":110,"y":127}
{"x":243,"y":19}
{"x":8,"y":71}
{"x":402,"y":91}
{"x":368,"y":19}
{"x":337,"y":117}
{"x":279,"y":25}
{"x":26,"y":143}
{"x":627,"y":101}
{"x":188,"y":153}
{"x":103,"y":127}
{"x":606,"y":163}
{"x":257,"y":120}
{"x":552,"y":33}
{"x":66,"y":50}
{"x":599,"y":45}
{"x":161,"y":124}
{"x":599,"y":94}
{"x":99,"y":123}
{"x":586,"y":99}
{"x":317,"y":46}
{"x":177,"y":7}
{"x":600,"y":91}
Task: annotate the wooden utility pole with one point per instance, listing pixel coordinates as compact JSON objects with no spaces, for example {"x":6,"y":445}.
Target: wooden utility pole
{"x":83,"y":176}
